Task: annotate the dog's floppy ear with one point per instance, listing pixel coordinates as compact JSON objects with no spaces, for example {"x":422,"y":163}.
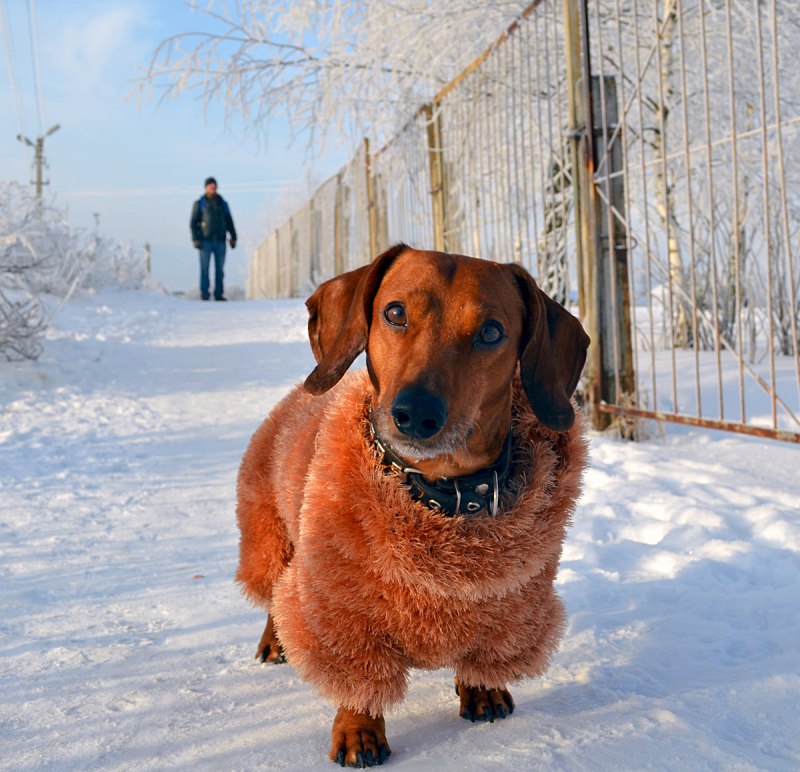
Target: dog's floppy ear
{"x":340,"y":313}
{"x":552,"y":354}
{"x":328,"y":308}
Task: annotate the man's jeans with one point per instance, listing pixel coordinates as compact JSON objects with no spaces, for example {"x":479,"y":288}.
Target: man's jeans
{"x":207,"y":247}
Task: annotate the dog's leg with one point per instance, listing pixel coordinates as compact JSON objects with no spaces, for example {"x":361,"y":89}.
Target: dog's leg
{"x":358,"y":740}
{"x":481,"y":704}
{"x":269,"y":647}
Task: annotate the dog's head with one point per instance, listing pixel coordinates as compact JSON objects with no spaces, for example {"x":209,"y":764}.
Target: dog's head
{"x":443,"y":335}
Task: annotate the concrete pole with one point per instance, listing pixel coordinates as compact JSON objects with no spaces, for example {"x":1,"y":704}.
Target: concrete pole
{"x":39,"y":161}
{"x":38,"y":157}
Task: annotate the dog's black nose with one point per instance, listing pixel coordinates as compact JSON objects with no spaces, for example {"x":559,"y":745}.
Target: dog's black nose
{"x":418,"y":413}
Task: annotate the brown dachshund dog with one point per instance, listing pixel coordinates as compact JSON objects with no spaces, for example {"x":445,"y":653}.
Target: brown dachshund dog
{"x":413,"y":515}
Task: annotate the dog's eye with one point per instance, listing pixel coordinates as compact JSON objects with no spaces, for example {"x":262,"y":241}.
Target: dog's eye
{"x":395,"y":314}
{"x":491,"y":333}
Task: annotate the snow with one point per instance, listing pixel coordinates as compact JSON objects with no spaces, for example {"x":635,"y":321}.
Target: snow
{"x":125,"y":644}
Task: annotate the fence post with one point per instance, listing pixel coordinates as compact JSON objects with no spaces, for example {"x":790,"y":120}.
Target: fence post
{"x":381,"y":211}
{"x":371,"y":210}
{"x":338,"y":261}
{"x":434,"y":122}
{"x":602,"y":257}
{"x":579,"y":153}
{"x":313,"y":243}
{"x":612,"y":290}
{"x":278,"y":267}
{"x":294,"y":261}
{"x":582,"y":161}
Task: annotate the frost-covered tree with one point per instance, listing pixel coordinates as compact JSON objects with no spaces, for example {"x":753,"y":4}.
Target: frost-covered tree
{"x":22,"y":265}
{"x":350,"y":68}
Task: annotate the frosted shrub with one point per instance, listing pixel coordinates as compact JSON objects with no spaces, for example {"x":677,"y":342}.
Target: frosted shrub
{"x":40,"y":253}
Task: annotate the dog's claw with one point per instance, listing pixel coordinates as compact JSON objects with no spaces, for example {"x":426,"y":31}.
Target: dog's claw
{"x":358,"y":740}
{"x":269,"y":645}
{"x":279,"y":660}
{"x":480,"y":704}
{"x":264,"y":656}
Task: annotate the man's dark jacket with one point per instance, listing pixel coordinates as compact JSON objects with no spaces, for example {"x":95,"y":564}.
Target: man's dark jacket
{"x":211,"y":219}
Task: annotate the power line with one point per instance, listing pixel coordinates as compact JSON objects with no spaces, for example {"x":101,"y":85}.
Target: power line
{"x":12,"y":76}
{"x":38,"y":144}
{"x":33,"y":33}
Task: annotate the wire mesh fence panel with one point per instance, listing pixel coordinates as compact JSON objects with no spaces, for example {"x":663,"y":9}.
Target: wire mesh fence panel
{"x":401,"y":174}
{"x":709,"y":114}
{"x":324,"y":261}
{"x":263,"y":269}
{"x":328,"y":235}
{"x":284,"y":267}
{"x":507,"y":176}
{"x":354,"y":212}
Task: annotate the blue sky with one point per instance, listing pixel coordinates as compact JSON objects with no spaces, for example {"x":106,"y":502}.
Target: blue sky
{"x":138,"y":166}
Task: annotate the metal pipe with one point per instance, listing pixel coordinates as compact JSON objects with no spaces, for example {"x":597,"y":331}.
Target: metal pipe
{"x":705,"y":423}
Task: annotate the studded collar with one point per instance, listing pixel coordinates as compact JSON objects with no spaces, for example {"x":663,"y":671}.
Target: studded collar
{"x":467,"y":495}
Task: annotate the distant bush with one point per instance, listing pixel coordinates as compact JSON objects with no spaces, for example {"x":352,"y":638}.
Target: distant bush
{"x":40,"y":253}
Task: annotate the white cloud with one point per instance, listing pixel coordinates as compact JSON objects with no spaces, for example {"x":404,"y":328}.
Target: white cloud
{"x":95,"y":42}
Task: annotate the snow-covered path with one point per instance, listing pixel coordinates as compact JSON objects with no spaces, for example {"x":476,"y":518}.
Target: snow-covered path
{"x":125,"y":645}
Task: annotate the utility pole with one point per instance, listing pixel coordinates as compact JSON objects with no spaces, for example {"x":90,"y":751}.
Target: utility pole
{"x":38,"y":149}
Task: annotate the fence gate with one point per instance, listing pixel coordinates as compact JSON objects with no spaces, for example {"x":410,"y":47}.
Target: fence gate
{"x":690,"y":234}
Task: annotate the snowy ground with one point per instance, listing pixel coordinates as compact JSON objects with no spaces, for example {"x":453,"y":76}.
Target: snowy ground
{"x":125,"y":645}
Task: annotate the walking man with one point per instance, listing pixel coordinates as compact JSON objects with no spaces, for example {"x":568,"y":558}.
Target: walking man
{"x":211,"y":221}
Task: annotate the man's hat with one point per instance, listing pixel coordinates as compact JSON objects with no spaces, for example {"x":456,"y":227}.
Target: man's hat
{"x":209,"y":181}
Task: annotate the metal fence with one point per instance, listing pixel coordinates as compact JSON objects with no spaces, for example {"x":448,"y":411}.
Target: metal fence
{"x":642,"y":160}
{"x":694,"y":111}
{"x":327,"y":236}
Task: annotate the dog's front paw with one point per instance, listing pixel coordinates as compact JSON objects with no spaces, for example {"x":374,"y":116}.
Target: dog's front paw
{"x":480,"y":704}
{"x":269,"y":647}
{"x":358,"y":740}
{"x":271,"y":653}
